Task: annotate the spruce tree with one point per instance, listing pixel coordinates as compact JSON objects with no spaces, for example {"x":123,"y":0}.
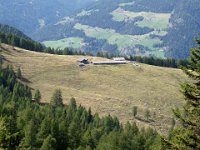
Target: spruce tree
{"x":3,"y":132}
{"x":37,"y":96}
{"x":65,"y":51}
{"x":1,"y":57}
{"x":72,"y":103}
{"x":1,"y":62}
{"x":188,"y":135}
{"x":29,"y":136}
{"x":56,"y":99}
{"x":147,"y":114}
{"x":49,"y":143}
{"x":134,"y":111}
{"x":19,"y":73}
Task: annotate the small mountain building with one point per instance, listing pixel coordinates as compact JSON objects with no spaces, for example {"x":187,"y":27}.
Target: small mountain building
{"x":83,"y":61}
{"x":119,"y":59}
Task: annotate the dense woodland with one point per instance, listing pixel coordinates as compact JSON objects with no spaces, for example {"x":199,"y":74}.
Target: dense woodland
{"x":168,"y":62}
{"x":11,"y":30}
{"x":14,"y":37}
{"x":185,"y":27}
{"x":14,"y":40}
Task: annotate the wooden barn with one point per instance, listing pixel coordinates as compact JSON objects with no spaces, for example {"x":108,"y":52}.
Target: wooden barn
{"x":84,"y":61}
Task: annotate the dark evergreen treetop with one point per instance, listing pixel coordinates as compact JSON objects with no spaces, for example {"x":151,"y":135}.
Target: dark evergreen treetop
{"x":56,"y":99}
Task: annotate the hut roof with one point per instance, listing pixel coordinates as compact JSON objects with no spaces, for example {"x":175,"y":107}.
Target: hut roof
{"x":119,"y":58}
{"x":82,"y":59}
{"x":109,"y":62}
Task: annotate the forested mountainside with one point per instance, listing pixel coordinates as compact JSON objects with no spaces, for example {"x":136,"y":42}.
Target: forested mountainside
{"x":184,"y":28}
{"x":14,"y":37}
{"x":30,"y":15}
{"x":162,"y":28}
{"x":141,"y":27}
{"x":11,"y":30}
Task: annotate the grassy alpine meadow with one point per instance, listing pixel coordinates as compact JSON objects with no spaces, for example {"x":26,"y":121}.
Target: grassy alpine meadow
{"x":86,"y":13}
{"x":126,"y":4}
{"x":107,"y":89}
{"x":73,"y":42}
{"x":157,"y":21}
{"x":124,"y":41}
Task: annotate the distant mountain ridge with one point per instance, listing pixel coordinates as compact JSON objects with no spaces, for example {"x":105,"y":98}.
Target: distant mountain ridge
{"x":162,"y":28}
{"x":31,"y":15}
{"x":11,"y":30}
{"x":116,"y":26}
{"x":184,"y":28}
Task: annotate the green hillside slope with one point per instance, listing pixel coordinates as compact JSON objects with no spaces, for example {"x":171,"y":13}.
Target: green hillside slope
{"x":106,"y":89}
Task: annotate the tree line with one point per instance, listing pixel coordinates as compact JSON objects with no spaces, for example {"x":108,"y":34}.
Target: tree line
{"x":36,"y":46}
{"x":151,"y":60}
{"x":22,"y":42}
{"x":11,"y":30}
{"x":29,"y":44}
{"x":168,"y":62}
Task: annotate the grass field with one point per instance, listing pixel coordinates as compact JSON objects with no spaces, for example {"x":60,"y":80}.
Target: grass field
{"x":65,"y":20}
{"x":86,"y":13}
{"x":126,"y":44}
{"x":106,"y":89}
{"x":157,"y":21}
{"x":126,"y":4}
{"x":122,"y":41}
{"x":73,"y":42}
